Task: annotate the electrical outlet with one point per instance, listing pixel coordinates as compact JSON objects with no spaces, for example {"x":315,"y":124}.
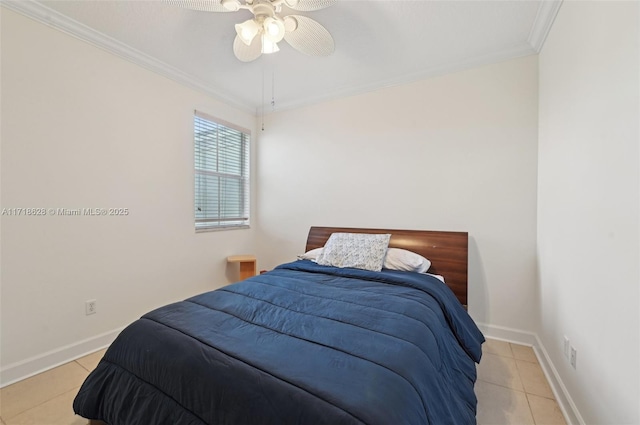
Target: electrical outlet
{"x":567,"y":347}
{"x":90,"y":307}
{"x":573,"y":357}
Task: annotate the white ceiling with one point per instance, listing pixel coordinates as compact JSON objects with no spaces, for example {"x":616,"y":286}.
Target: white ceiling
{"x":378,"y":43}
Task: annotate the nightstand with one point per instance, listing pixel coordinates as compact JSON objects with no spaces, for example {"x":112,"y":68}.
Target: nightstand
{"x":247,"y":264}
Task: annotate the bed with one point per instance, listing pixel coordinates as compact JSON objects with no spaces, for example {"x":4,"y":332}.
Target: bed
{"x":304,"y":343}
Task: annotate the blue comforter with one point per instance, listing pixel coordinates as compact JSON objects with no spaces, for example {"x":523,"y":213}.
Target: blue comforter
{"x":303,"y":344}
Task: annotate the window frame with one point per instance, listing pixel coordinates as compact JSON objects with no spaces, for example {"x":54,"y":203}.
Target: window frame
{"x":218,"y":221}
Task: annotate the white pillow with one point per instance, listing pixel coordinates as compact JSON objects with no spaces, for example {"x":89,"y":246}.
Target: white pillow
{"x":311,"y":255}
{"x":437,"y":276}
{"x":357,"y":250}
{"x":396,"y":259}
{"x":401,"y":259}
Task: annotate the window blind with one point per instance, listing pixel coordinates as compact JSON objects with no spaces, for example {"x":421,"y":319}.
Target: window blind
{"x":221,"y":174}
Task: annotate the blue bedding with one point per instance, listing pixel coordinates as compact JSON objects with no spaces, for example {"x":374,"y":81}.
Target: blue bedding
{"x":302,"y":344}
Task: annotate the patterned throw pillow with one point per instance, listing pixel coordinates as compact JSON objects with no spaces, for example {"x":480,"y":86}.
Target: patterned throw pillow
{"x":358,"y":250}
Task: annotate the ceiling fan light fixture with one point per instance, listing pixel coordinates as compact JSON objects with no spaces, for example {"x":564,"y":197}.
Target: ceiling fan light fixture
{"x":274,"y":29}
{"x":269,"y":46}
{"x":270,"y":26}
{"x":247,"y":31}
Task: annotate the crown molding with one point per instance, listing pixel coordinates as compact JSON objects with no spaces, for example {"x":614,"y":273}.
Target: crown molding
{"x":545,"y":16}
{"x":41,"y":13}
{"x":506,"y":54}
{"x":547,"y":12}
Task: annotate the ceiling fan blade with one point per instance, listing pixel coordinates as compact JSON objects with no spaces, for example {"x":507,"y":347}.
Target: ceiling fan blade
{"x":309,"y":5}
{"x":309,"y":37}
{"x":247,"y":53}
{"x":201,"y":5}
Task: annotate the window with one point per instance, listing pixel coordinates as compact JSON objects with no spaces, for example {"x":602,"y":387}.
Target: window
{"x":221,"y":174}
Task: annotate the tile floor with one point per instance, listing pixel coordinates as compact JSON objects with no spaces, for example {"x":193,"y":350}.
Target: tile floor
{"x":511,"y":389}
{"x":46,"y":399}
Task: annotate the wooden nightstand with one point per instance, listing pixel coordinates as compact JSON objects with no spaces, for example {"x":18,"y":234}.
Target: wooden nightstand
{"x":247,"y":264}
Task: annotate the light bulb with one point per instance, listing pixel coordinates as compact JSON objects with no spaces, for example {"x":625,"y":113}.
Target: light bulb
{"x":247,"y":34}
{"x":247,"y":31}
{"x":274,"y":29}
{"x":269,"y":46}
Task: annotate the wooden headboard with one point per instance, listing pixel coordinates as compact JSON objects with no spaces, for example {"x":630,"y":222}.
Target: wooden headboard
{"x":447,"y":251}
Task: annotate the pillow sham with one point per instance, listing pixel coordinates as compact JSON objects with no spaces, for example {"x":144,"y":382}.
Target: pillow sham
{"x":311,"y":255}
{"x":401,"y":259}
{"x":357,"y":250}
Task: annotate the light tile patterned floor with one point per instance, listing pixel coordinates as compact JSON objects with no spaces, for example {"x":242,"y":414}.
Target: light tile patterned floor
{"x":46,"y":399}
{"x":511,"y":390}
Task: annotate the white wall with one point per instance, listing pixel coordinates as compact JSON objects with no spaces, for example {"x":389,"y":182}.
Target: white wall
{"x":83,"y":128}
{"x":588,"y":205}
{"x":457,"y":152}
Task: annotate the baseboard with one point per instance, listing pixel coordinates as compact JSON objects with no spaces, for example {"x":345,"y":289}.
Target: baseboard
{"x":568,"y":407}
{"x":502,"y":333}
{"x":32,"y":366}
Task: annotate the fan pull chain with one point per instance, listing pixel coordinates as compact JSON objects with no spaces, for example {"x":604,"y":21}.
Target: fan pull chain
{"x":262,"y":103}
{"x":273,"y":91}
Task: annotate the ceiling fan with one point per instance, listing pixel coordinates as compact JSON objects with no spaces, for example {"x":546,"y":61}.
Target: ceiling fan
{"x":268,"y":27}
